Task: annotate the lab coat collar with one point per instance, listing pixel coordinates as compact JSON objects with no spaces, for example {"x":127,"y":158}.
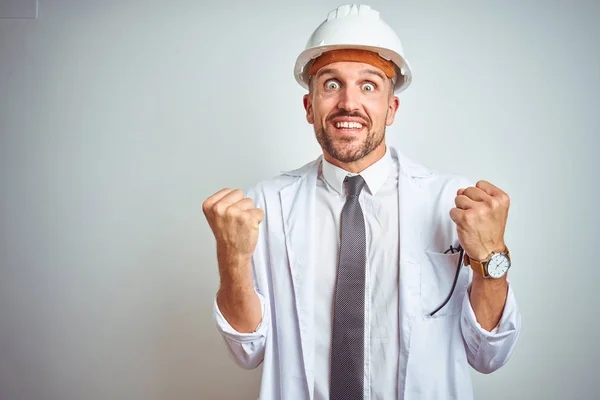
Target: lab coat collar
{"x":374,"y":176}
{"x":406,"y":166}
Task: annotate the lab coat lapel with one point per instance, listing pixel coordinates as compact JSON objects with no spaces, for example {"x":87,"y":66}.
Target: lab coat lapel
{"x":411,"y":206}
{"x":412,"y":202}
{"x":298,"y":212}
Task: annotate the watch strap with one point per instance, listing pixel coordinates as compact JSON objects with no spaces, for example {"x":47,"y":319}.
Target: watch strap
{"x":477,"y":266}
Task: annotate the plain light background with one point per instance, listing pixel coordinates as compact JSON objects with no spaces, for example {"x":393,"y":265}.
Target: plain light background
{"x":119,"y":117}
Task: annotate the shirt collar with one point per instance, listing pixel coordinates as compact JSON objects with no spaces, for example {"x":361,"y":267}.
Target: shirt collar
{"x":374,"y":176}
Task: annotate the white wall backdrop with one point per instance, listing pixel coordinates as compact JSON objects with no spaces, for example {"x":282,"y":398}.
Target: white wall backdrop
{"x":119,"y":117}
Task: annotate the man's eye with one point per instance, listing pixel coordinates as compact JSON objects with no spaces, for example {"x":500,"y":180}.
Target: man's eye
{"x":332,"y":85}
{"x":368,"y":87}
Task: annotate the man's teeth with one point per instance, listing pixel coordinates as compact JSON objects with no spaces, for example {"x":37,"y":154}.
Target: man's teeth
{"x":350,"y":125}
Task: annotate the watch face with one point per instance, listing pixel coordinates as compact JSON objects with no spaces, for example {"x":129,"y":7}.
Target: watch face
{"x":498,"y":265}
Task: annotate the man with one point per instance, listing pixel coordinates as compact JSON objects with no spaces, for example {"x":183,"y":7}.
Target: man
{"x":333,"y":275}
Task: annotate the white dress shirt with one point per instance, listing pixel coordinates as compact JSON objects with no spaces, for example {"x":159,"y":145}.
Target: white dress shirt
{"x":379,"y":203}
{"x":293,"y":271}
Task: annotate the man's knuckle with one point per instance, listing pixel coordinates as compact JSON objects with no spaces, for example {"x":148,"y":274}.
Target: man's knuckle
{"x":231,"y":212}
{"x":219,"y":208}
{"x":494,"y":203}
{"x":470,"y":216}
{"x":453,"y":214}
{"x":206,"y":207}
{"x":481,"y":210}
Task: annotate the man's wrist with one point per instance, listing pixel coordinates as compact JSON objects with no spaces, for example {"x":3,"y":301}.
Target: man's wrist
{"x":489,"y":284}
{"x":235,"y":273}
{"x":486,"y":254}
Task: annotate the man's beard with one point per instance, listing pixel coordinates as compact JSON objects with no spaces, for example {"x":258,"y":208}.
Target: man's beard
{"x":340,"y":152}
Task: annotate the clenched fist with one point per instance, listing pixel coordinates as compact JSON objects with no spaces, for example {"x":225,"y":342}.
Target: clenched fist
{"x":480,"y":216}
{"x":234,"y":221}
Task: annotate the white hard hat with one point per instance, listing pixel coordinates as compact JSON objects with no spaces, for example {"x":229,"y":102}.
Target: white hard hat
{"x":354,"y":27}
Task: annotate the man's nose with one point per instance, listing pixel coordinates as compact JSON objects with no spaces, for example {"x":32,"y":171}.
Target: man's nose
{"x":349,"y":99}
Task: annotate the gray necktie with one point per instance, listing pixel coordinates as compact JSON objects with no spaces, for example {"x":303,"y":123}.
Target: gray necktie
{"x":347,"y":342}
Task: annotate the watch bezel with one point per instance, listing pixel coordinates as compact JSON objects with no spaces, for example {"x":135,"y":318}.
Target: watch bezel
{"x":496,"y":256}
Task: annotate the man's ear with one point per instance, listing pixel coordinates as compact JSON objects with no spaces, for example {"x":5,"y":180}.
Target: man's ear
{"x":309,"y":109}
{"x":393,"y":107}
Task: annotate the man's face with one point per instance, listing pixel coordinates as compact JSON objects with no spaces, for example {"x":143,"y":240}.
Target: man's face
{"x":350,"y":104}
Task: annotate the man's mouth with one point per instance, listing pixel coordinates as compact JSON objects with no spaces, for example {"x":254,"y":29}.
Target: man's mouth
{"x":348,"y":125}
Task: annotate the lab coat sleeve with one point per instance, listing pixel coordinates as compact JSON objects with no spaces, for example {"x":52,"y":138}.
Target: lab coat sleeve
{"x":488,"y":351}
{"x":246,"y":349}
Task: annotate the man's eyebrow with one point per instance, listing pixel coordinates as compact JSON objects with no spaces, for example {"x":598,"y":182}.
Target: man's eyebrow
{"x":324,"y":71}
{"x":367,"y":71}
{"x":374,"y":72}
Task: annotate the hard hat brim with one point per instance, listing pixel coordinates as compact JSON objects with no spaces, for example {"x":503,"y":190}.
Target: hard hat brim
{"x":302,"y":66}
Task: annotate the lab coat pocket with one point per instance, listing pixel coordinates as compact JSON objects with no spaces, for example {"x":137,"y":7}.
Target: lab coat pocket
{"x":437,"y":275}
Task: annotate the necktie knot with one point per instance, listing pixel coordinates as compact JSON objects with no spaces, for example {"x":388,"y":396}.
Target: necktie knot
{"x":355,"y":185}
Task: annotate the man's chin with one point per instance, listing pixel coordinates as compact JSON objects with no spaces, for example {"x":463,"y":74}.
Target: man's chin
{"x":347,"y":153}
{"x":344,"y":149}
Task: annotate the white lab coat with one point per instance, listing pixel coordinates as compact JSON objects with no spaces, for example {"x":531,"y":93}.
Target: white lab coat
{"x":435,"y":352}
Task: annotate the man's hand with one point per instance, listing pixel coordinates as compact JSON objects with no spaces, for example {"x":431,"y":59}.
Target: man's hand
{"x":234,"y":221}
{"x":480,"y":216}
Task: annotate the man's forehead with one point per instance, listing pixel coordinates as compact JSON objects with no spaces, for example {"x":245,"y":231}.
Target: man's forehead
{"x":350,"y":67}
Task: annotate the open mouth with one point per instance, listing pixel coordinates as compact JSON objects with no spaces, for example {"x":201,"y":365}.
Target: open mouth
{"x":348,"y":127}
